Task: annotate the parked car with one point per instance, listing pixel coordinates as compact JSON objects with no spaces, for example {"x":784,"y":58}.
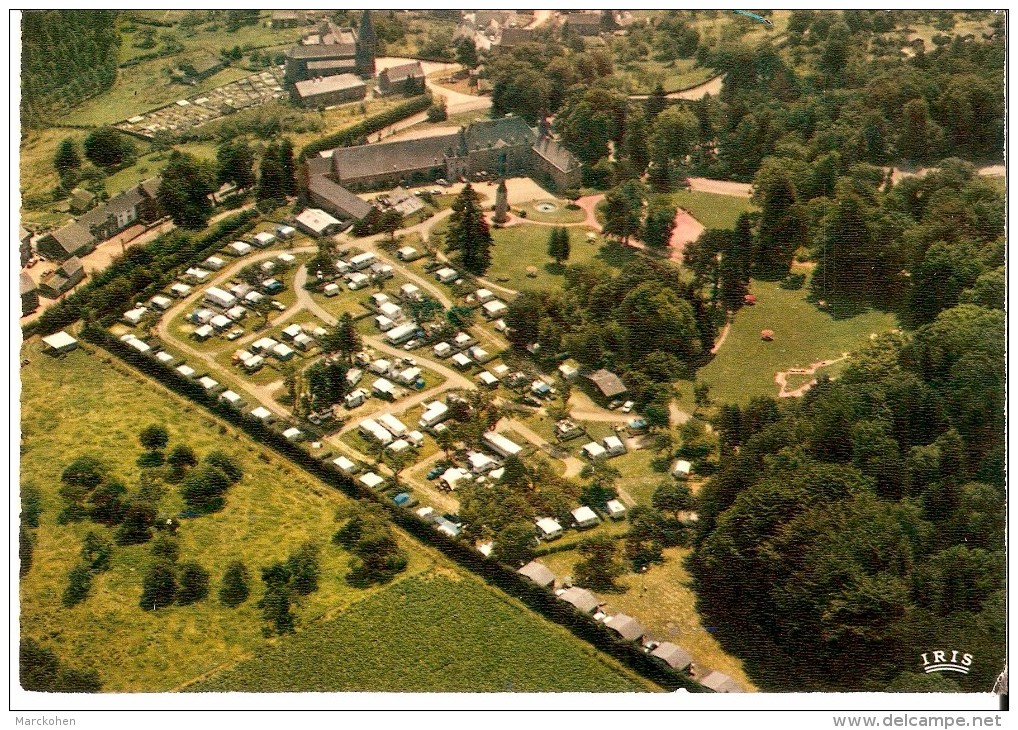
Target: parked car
{"x":411,"y":345}
{"x":614,"y":404}
{"x":627,"y":407}
{"x":435,"y":473}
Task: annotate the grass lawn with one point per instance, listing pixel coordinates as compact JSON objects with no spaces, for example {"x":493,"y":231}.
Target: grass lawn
{"x":803,"y":334}
{"x":561,"y":214}
{"x":673,"y":76}
{"x":712,"y":210}
{"x":100,"y":408}
{"x":518,"y":247}
{"x":662,"y":599}
{"x":434,"y":633}
{"x":638,"y":478}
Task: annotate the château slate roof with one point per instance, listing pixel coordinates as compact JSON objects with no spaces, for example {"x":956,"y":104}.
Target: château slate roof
{"x":556,"y":154}
{"x":376,"y":159}
{"x":338,"y":196}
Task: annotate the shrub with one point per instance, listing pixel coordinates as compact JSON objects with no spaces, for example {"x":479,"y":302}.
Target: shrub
{"x":793,"y":282}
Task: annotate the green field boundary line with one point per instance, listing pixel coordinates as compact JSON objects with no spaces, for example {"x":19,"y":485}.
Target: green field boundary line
{"x":534,"y":597}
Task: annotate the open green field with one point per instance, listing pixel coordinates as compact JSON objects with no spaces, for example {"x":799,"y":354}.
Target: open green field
{"x":519,"y":247}
{"x":662,"y":599}
{"x":711,"y":209}
{"x":434,"y":633}
{"x":477,"y":640}
{"x":803,"y":334}
{"x":100,"y":408}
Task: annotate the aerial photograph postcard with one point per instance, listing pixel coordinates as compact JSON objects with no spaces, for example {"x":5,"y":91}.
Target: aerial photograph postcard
{"x":509,"y":351}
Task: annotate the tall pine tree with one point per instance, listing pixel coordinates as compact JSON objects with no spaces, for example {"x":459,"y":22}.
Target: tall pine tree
{"x":468,"y":233}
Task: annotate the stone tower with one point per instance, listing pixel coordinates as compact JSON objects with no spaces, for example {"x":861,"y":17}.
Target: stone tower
{"x":501,"y":203}
{"x":367,"y":41}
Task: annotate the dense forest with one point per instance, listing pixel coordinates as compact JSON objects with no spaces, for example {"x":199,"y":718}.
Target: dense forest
{"x":67,"y":57}
{"x":848,"y":532}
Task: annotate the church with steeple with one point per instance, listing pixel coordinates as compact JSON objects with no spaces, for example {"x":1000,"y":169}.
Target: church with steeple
{"x":332,"y":50}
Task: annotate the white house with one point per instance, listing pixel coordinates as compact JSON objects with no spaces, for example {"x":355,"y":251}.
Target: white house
{"x":462,"y":340}
{"x":216,"y":297}
{"x":239,"y":248}
{"x":383,"y":388}
{"x":354,"y":375}
{"x":614,"y":445}
{"x":371,"y":427}
{"x":501,"y":445}
{"x":362,"y":261}
{"x":285,"y":232}
{"x":208,"y":383}
{"x":371,"y":480}
{"x":442,"y":349}
{"x":616,"y":510}
{"x":434,"y":413}
{"x":186,"y":371}
{"x":392,"y":424}
{"x":548,"y":528}
{"x":236,"y":313}
{"x":461,"y":361}
{"x":378,"y":299}
{"x":585,"y":517}
{"x":254,"y":363}
{"x":221,"y":322}
{"x":480,"y":463}
{"x":263,"y":345}
{"x":380,"y":272}
{"x":134,"y":316}
{"x":292,"y":434}
{"x":197,"y":274}
{"x":409,"y":376}
{"x":478,"y":354}
{"x":303,"y":341}
{"x":402,"y":333}
{"x":407,"y":253}
{"x":356,"y":281}
{"x":540,"y":388}
{"x":494,"y":309}
{"x":254,"y":297}
{"x":488,"y":379}
{"x":410,"y":292}
{"x":380,"y":366}
{"x":681,"y":469}
{"x":483,"y":295}
{"x":346,"y":466}
{"x":202,"y":316}
{"x":180,"y":290}
{"x":160,"y":302}
{"x":165,"y":358}
{"x":453,"y":476}
{"x":317,"y":222}
{"x":214,"y":263}
{"x":399,"y":446}
{"x":446,"y":275}
{"x":283,"y":352}
{"x":231,"y":399}
{"x":267,"y":267}
{"x":416,"y":438}
{"x":139,"y":345}
{"x":594,"y":450}
{"x":567,"y":371}
{"x":204,"y":332}
{"x":286,"y":259}
{"x":355,"y":398}
{"x":331,"y":290}
{"x":261,"y":240}
{"x":262,"y":413}
{"x":392,"y":311}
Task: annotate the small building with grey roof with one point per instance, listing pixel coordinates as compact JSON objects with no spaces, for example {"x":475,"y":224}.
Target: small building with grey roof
{"x":580,"y":598}
{"x":318,"y":93}
{"x":538,"y":572}
{"x":674,"y":656}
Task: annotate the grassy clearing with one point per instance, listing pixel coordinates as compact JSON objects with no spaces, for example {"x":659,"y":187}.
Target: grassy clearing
{"x":712,"y":210}
{"x":662,"y":599}
{"x":639,"y":480}
{"x":644,"y":76}
{"x":430,"y":634}
{"x":519,"y":247}
{"x":803,"y":334}
{"x":100,"y":409}
{"x":561,"y":214}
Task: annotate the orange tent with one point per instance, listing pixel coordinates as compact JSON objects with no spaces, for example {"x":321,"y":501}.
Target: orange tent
{"x":766,"y":335}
